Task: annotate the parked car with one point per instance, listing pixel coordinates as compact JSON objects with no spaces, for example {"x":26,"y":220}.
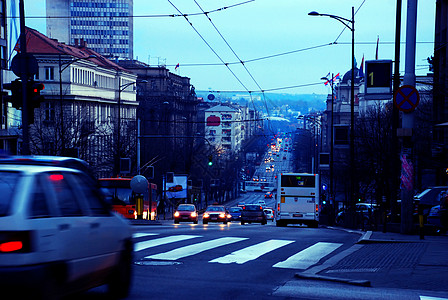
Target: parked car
{"x":186,"y":213}
{"x":215,"y":213}
{"x":253,"y":213}
{"x":57,"y":234}
{"x":428,"y":199}
{"x":434,"y":218}
{"x":438,"y":215}
{"x":235,"y":213}
{"x":364,"y":213}
{"x":269,"y":212}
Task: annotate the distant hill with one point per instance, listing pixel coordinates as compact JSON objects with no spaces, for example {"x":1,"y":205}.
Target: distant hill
{"x":303,"y":103}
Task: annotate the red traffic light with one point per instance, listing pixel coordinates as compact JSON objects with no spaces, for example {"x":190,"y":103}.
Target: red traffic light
{"x":37,"y":87}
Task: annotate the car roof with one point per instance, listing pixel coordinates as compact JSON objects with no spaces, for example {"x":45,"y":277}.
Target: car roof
{"x":47,"y":160}
{"x":33,"y":168}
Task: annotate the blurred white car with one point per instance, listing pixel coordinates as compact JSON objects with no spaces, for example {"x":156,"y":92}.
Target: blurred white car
{"x":269,"y":214}
{"x":58,"y":236}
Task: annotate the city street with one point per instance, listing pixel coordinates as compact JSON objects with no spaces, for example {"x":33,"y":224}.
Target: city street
{"x":217,"y":261}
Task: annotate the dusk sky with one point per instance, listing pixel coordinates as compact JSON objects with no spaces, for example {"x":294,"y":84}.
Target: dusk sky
{"x":280,"y":44}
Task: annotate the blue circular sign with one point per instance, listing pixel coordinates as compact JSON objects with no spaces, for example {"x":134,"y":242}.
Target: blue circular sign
{"x":406,"y":98}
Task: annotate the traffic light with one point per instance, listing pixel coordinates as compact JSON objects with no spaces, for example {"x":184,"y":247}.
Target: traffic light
{"x":16,"y":93}
{"x":210,"y":160}
{"x":34,"y":98}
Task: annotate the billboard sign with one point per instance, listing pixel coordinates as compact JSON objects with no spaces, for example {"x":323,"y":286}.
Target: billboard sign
{"x":177,"y":188}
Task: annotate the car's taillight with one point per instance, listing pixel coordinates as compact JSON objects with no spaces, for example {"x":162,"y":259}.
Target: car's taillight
{"x":222,"y":215}
{"x":15,"y":242}
{"x":206,"y":215}
{"x":176,"y":214}
{"x":194,"y":214}
{"x":56,"y":177}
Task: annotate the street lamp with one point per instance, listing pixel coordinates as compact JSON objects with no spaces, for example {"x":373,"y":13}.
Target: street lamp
{"x":61,"y":69}
{"x":347,"y":24}
{"x":331,"y":135}
{"x":120,"y":89}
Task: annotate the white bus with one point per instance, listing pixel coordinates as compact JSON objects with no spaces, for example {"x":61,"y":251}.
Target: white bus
{"x":298,"y":199}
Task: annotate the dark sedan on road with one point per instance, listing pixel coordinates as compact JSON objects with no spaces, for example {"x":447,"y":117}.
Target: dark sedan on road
{"x":253,"y":213}
{"x":235,"y":213}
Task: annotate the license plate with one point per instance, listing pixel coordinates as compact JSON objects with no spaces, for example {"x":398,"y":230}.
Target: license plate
{"x":214,"y":218}
{"x":297,"y":215}
{"x":185,"y":218}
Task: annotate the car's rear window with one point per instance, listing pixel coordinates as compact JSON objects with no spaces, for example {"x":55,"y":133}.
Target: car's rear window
{"x":252,"y":208}
{"x":8,"y":183}
{"x":235,"y":209}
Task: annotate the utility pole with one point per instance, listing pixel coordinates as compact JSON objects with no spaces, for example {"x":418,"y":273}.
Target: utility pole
{"x":395,"y":119}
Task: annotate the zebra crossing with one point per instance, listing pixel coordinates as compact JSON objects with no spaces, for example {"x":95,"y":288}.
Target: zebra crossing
{"x":300,"y":260}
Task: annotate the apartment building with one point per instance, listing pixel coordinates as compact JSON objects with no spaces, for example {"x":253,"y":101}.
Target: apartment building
{"x":107,"y":26}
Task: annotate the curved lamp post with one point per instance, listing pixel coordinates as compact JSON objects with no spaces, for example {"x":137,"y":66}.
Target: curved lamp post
{"x":61,"y":69}
{"x":120,"y":89}
{"x":350,"y":24}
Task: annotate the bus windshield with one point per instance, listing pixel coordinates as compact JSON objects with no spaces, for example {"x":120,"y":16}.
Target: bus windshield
{"x":119,"y":191}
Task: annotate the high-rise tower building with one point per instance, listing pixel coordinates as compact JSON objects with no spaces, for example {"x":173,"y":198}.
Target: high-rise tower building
{"x":105,"y":25}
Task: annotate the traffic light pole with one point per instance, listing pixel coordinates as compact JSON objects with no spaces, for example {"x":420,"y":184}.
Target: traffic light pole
{"x":24,"y":78}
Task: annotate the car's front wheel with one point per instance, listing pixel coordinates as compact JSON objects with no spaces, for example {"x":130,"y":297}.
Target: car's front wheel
{"x":120,"y":281}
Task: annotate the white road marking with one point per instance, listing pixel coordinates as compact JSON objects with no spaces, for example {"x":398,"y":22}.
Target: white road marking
{"x":250,"y":253}
{"x":142,"y":234}
{"x":162,"y":241}
{"x":308,"y":257}
{"x":195,"y":248}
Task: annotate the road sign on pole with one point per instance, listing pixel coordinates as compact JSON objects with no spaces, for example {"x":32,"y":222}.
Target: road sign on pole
{"x":406,"y":98}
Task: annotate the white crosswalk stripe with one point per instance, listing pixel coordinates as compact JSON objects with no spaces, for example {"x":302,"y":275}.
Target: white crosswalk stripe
{"x":301,"y":260}
{"x":162,"y":241}
{"x":195,"y":248}
{"x":308,"y":257}
{"x":250,"y":253}
{"x":142,"y":234}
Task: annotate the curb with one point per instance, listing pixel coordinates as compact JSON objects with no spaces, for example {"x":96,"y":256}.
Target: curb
{"x":144,"y":222}
{"x":376,"y":241}
{"x":357,"y":282}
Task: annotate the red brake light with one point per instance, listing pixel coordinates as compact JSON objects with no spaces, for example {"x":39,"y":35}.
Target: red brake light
{"x":56,"y":177}
{"x":15,"y":241}
{"x":11,"y":246}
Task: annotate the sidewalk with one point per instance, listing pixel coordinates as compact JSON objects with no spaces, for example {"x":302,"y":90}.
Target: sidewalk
{"x":391,"y":260}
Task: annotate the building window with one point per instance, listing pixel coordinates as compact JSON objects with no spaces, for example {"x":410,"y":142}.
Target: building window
{"x":49,"y":111}
{"x":49,"y":73}
{"x":341,"y":135}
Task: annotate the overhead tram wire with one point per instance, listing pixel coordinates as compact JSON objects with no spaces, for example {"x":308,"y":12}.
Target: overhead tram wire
{"x":137,"y":16}
{"x":343,"y":29}
{"x":236,"y":55}
{"x":211,"y":48}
